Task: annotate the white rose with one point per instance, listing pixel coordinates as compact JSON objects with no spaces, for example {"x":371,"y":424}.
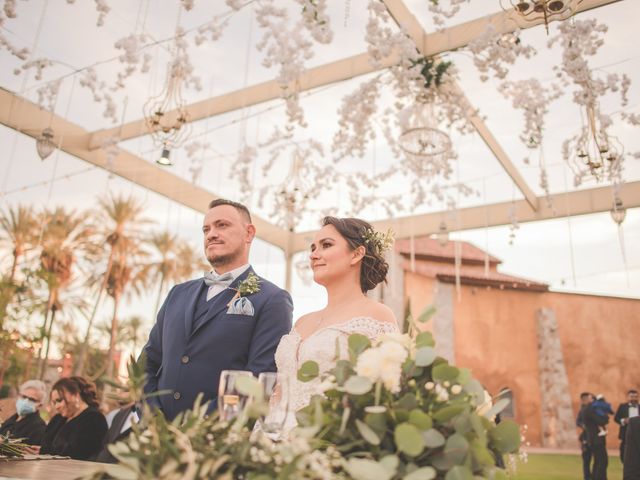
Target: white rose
{"x":369,"y":364}
{"x":393,"y":351}
{"x":390,"y":376}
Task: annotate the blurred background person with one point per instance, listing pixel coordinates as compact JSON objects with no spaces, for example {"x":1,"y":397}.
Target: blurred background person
{"x":27,"y":423}
{"x":78,"y":428}
{"x":625,"y":412}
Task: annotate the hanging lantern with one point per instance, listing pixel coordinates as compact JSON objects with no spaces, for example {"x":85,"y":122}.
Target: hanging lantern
{"x":443,"y":234}
{"x":427,"y":149}
{"x":44,"y":143}
{"x":618,"y":212}
{"x":549,"y":10}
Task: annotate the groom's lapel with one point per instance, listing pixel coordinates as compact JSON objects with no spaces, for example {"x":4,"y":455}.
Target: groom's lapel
{"x":220,"y":302}
{"x":190,"y":311}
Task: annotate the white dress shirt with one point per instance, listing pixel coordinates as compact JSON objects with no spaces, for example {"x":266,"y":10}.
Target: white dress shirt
{"x":216,"y":289}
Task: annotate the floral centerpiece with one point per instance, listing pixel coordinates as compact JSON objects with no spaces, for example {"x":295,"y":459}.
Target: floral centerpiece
{"x":12,"y":447}
{"x":395,"y":410}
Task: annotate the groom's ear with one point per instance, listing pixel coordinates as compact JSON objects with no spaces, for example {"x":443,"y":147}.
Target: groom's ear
{"x":357,"y":255}
{"x":251,"y":232}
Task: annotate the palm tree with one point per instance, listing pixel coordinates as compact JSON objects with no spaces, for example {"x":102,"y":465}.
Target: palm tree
{"x":177,"y":262}
{"x":65,"y":234}
{"x":20,"y":227}
{"x":121,"y":219}
{"x":20,"y":224}
{"x":128,"y":274}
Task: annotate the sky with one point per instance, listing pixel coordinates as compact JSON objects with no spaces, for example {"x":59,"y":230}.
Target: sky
{"x":575,"y":254}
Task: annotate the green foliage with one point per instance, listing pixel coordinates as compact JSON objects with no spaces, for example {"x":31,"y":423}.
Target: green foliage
{"x":429,"y":428}
{"x":12,"y":447}
{"x":432,"y":70}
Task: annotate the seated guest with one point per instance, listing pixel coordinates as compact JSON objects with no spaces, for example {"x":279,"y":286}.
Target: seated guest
{"x":78,"y":429}
{"x":120,"y":421}
{"x":27,"y":423}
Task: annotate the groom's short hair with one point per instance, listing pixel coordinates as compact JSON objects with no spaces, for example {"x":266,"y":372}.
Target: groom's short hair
{"x":238,"y":206}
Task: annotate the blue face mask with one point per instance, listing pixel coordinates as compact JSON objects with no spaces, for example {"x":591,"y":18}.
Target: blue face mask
{"x":25,"y":407}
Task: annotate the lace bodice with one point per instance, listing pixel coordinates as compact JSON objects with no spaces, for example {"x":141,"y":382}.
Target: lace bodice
{"x":320,"y":347}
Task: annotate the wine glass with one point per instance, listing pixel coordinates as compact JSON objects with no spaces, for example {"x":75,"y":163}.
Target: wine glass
{"x":230,"y":401}
{"x":275,"y":387}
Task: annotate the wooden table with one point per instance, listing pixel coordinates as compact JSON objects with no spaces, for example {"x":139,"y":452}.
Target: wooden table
{"x":48,"y":469}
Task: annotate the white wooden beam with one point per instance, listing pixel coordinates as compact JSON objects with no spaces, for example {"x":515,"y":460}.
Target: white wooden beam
{"x":26,"y":117}
{"x":405,"y":19}
{"x":430,"y":44}
{"x":579,"y":202}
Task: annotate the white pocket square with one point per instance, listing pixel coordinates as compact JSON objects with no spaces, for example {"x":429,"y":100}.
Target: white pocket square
{"x":241,"y":306}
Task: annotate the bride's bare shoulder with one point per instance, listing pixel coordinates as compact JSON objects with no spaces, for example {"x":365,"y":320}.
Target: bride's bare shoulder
{"x":381,"y":312}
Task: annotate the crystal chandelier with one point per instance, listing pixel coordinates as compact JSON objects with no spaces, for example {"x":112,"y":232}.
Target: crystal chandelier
{"x":427,"y":149}
{"x":44,"y":143}
{"x":549,"y":10}
{"x":166,"y":114}
{"x":594,"y":153}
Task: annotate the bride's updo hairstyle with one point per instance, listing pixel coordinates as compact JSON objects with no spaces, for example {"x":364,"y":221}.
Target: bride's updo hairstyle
{"x":359,"y":233}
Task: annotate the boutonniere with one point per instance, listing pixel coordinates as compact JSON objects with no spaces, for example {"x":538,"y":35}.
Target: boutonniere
{"x":239,"y":304}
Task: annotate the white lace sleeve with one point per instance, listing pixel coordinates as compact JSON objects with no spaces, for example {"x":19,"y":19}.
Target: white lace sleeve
{"x":369,"y":327}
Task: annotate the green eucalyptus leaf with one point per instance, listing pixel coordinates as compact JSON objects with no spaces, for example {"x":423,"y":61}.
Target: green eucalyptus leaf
{"x":426,"y":315}
{"x":464,"y":376}
{"x":445,"y":372}
{"x":433,"y":438}
{"x":474,"y":388}
{"x":357,"y":385}
{"x":420,"y":419}
{"x":308,"y":371}
{"x":364,"y":469}
{"x":459,"y":473}
{"x":249,"y":385}
{"x":497,"y":407}
{"x":425,"y":339}
{"x":425,"y":356}
{"x":424,"y":473}
{"x":407,"y":402}
{"x":447,"y":413}
{"x":357,"y":344}
{"x":481,"y":453}
{"x":367,"y":433}
{"x":390,"y":463}
{"x":409,"y":439}
{"x":456,"y":448}
{"x":506,"y":436}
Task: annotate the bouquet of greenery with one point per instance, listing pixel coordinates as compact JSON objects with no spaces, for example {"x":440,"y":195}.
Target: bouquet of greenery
{"x":396,"y":410}
{"x":197,"y":446}
{"x":12,"y":447}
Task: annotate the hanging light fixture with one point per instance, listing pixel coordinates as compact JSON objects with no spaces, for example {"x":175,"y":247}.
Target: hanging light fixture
{"x":427,"y":149}
{"x":618,"y":211}
{"x":593,"y":152}
{"x":549,"y":10}
{"x":164,"y":159}
{"x":166,"y":114}
{"x":443,"y":234}
{"x":44,"y":143}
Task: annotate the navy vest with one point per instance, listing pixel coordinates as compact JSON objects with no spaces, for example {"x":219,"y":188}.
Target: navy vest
{"x":202,"y":307}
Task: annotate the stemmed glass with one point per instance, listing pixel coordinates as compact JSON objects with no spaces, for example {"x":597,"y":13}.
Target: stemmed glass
{"x":275,"y":387}
{"x":230,"y":401}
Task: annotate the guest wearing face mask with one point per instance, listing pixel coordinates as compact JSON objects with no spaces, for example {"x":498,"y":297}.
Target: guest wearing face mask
{"x":27,"y":423}
{"x":78,"y":429}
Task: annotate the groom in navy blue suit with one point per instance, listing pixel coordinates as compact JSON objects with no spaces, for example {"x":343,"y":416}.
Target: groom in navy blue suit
{"x":207,"y":325}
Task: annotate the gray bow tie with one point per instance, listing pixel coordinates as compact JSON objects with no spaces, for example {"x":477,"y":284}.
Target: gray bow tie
{"x":211,"y":279}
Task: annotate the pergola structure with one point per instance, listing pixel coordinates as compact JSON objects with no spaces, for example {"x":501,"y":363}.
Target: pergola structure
{"x":22,"y":115}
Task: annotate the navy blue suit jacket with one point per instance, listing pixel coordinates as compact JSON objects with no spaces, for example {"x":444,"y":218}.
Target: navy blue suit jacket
{"x":187,"y":361}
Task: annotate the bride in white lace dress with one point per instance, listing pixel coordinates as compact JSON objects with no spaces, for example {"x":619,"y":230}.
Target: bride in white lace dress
{"x":346,"y":259}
